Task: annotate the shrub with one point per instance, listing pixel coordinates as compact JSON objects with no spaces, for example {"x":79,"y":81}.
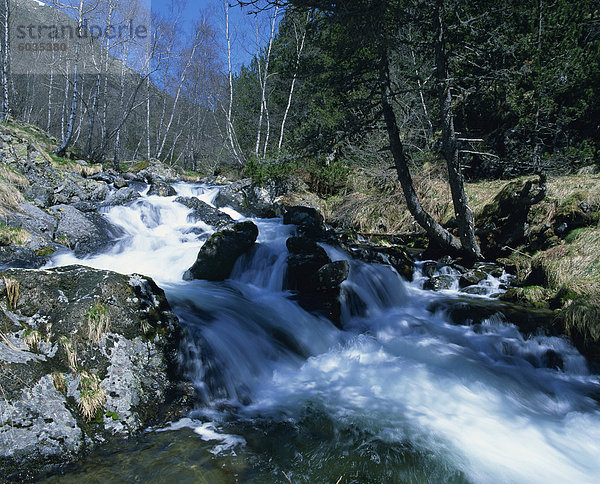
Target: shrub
{"x":327,"y":179}
{"x":263,"y":171}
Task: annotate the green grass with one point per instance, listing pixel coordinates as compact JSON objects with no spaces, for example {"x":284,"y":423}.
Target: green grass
{"x":12,"y":235}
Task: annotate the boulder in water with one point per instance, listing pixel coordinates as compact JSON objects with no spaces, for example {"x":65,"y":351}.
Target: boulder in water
{"x":218,"y":255}
{"x":439,"y":283}
{"x":22,"y":257}
{"x":315,"y":277}
{"x":471,"y":278}
{"x":309,"y":221}
{"x":85,"y":233}
{"x":161,"y":188}
{"x":395,"y":256}
{"x":249,"y":199}
{"x":122,"y":196}
{"x":305,"y":259}
{"x":120,"y":182}
{"x":330,"y":276}
{"x":204,"y":212}
{"x":93,"y":357}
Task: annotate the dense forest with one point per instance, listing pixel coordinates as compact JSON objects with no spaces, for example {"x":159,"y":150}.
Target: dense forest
{"x":519,"y":81}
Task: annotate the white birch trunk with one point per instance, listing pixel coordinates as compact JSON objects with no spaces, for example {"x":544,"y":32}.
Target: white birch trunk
{"x":299,"y":48}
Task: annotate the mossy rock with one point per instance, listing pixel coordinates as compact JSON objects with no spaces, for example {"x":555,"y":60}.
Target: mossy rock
{"x":534,"y":296}
{"x":139,"y":166}
{"x":581,"y":320}
{"x":574,"y":213}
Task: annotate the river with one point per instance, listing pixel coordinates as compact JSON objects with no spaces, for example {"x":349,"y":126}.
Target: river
{"x":401,"y":394}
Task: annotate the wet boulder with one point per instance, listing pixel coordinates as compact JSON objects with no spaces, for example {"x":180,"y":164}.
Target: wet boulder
{"x":161,"y":188}
{"x":471,"y":278}
{"x":309,"y":221}
{"x":39,"y":224}
{"x":428,"y":269}
{"x":86,"y":356}
{"x":85,"y":233}
{"x":439,"y":283}
{"x":23,"y":257}
{"x":250,"y":199}
{"x":122,"y":197}
{"x":305,"y":259}
{"x":330,"y":276}
{"x":108,"y":176}
{"x":394,"y":256}
{"x":315,"y":278}
{"x":218,"y":255}
{"x":204,"y":212}
{"x":475,"y":311}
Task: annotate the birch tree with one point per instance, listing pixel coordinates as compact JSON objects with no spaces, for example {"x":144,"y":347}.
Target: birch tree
{"x":81,"y":10}
{"x":263,"y":77}
{"x":233,"y":143}
{"x":300,"y":36}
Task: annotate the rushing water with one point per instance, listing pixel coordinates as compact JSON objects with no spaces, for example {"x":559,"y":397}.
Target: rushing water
{"x":400,"y":395}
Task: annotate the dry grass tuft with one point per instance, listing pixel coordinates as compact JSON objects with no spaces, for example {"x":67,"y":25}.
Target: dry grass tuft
{"x":374,"y":202}
{"x":562,"y":188}
{"x":85,"y":171}
{"x":575,"y":265}
{"x":11,"y":287}
{"x":12,"y":235}
{"x":98,"y":322}
{"x":11,"y":176}
{"x":92,"y":396}
{"x":31,"y":339}
{"x":581,"y":318}
{"x":10,"y":197}
{"x":59,"y":382}
{"x":70,"y":348}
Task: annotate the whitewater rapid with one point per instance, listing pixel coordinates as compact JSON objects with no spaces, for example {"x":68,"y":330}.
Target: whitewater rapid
{"x":476,"y":399}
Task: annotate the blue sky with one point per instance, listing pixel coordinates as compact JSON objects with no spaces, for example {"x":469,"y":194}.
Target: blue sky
{"x":242,"y":25}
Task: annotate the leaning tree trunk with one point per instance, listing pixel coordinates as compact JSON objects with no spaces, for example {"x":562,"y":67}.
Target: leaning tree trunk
{"x":435,"y":231}
{"x":464,"y":217}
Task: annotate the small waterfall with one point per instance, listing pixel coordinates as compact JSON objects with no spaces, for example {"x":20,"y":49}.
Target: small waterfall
{"x":480,"y":400}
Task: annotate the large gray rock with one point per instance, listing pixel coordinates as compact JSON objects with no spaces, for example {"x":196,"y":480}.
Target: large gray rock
{"x":85,"y":233}
{"x":158,"y":171}
{"x":251,"y":200}
{"x":74,"y":333}
{"x":41,"y":195}
{"x":439,"y":283}
{"x":218,"y":255}
{"x":40,"y":225}
{"x":161,"y":188}
{"x":121,"y":197}
{"x":22,"y":257}
{"x":204,"y":212}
